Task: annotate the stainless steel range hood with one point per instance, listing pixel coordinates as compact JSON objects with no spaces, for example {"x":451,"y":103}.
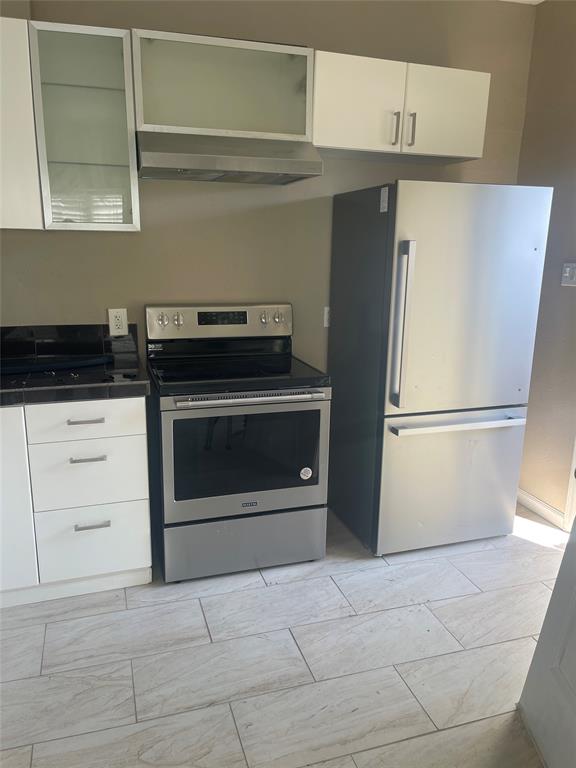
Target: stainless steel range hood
{"x":222,"y":158}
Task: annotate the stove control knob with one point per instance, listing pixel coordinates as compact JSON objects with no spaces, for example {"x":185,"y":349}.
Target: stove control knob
{"x":277,"y":317}
{"x":163,"y":319}
{"x":178,"y":319}
{"x":264,"y":318}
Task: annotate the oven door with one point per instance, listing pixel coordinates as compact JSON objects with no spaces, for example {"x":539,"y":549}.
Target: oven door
{"x":220,"y":461}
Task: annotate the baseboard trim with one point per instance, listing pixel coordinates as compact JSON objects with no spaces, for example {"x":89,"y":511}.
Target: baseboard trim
{"x":541,"y":508}
{"x":58,"y":589}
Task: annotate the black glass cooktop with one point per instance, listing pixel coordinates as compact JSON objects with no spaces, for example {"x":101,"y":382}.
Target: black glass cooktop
{"x":211,"y":375}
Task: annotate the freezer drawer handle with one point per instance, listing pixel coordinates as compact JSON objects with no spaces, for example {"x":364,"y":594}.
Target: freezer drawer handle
{"x":405,"y":267}
{"x":459,"y":426}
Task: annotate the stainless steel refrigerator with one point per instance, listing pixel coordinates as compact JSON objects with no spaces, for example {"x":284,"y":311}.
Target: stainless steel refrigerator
{"x":435,"y":289}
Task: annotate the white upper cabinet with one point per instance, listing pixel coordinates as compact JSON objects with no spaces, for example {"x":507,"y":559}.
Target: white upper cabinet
{"x":82,"y":86}
{"x":445,"y":111}
{"x":218,"y":87}
{"x":376,"y":105}
{"x":20,"y":200}
{"x":358,"y":102}
{"x":18,"y":566}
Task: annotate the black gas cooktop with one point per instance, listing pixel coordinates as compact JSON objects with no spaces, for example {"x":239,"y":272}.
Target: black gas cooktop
{"x":66,"y":362}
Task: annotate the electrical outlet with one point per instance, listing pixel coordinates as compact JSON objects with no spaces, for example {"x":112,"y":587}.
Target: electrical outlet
{"x":118,"y":322}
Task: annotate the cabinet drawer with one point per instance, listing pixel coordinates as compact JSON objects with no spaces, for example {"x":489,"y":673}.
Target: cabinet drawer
{"x":75,"y":543}
{"x":55,"y":422}
{"x":84,"y":472}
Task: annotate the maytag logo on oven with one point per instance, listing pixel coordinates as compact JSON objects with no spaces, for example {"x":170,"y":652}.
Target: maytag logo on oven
{"x":249,"y":503}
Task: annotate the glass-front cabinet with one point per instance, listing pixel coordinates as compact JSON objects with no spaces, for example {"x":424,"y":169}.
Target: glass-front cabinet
{"x":219,"y":87}
{"x":83,"y":100}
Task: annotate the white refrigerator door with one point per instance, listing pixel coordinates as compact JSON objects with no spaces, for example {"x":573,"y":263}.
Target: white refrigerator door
{"x":449,"y":477}
{"x":468,"y":262}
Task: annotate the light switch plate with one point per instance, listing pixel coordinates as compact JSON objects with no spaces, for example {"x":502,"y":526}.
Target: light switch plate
{"x":326,"y":317}
{"x":118,"y":322}
{"x":568,"y":274}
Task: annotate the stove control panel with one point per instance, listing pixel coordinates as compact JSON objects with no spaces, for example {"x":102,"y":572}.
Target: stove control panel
{"x":207,"y":322}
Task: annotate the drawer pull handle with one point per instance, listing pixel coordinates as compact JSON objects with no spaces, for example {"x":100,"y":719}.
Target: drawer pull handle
{"x":94,"y":527}
{"x":79,"y":422}
{"x":88,"y":460}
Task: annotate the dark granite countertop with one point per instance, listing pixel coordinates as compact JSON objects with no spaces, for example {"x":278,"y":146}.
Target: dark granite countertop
{"x":59,"y":363}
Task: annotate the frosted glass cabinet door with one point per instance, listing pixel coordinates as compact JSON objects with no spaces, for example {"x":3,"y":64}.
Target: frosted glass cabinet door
{"x":213,"y":86}
{"x":82,"y":82}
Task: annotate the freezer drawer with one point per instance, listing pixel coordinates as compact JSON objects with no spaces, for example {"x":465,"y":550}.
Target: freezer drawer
{"x":449,"y":477}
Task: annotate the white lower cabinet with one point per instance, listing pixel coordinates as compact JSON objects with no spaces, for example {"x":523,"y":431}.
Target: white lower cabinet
{"x":17,"y":545}
{"x":85,"y":420}
{"x":87,"y":472}
{"x":74,"y":512}
{"x":86,"y":541}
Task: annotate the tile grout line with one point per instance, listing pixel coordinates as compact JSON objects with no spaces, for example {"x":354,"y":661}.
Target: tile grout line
{"x":344,"y":596}
{"x":302,"y":654}
{"x":43,"y":649}
{"x":238,"y":733}
{"x":97,"y":662}
{"x":133,"y":691}
{"x":466,"y":577}
{"x":298,"y":685}
{"x":56,"y":621}
{"x":197,"y":709}
{"x":422,"y":707}
{"x":156,"y":603}
{"x":229,"y":703}
{"x":431,"y":612}
{"x":431,"y":733}
{"x":205,"y":622}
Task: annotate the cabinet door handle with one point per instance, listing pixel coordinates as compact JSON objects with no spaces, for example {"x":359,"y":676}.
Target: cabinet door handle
{"x":396,"y":128}
{"x":89,"y":460}
{"x":412,"y":140}
{"x":78,"y":422}
{"x":93,"y":527}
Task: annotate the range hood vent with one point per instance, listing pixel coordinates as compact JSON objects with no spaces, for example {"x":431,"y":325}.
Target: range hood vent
{"x":222,"y":158}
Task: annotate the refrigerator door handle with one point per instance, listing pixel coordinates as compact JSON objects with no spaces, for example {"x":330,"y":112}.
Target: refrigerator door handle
{"x":406,"y":265}
{"x":459,"y":426}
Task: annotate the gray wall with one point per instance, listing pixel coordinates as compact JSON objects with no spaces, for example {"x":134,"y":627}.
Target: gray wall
{"x":202,"y":242}
{"x":549,"y":157}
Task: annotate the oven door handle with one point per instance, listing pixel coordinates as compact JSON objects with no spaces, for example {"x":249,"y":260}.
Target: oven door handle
{"x":225,"y":401}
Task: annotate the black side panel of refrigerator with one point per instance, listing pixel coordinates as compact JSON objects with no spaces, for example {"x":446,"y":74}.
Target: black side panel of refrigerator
{"x":362,"y":241}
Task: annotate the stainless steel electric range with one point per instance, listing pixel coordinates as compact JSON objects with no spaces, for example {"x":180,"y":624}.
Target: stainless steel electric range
{"x":239,"y":433}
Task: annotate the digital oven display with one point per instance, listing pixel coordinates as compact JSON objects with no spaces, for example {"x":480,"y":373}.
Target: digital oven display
{"x":223,"y":318}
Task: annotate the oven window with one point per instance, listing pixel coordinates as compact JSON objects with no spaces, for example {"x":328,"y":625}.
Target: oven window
{"x":244,"y":453}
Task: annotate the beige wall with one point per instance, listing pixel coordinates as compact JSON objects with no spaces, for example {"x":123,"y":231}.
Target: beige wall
{"x":549,"y":157}
{"x":208,"y":242}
